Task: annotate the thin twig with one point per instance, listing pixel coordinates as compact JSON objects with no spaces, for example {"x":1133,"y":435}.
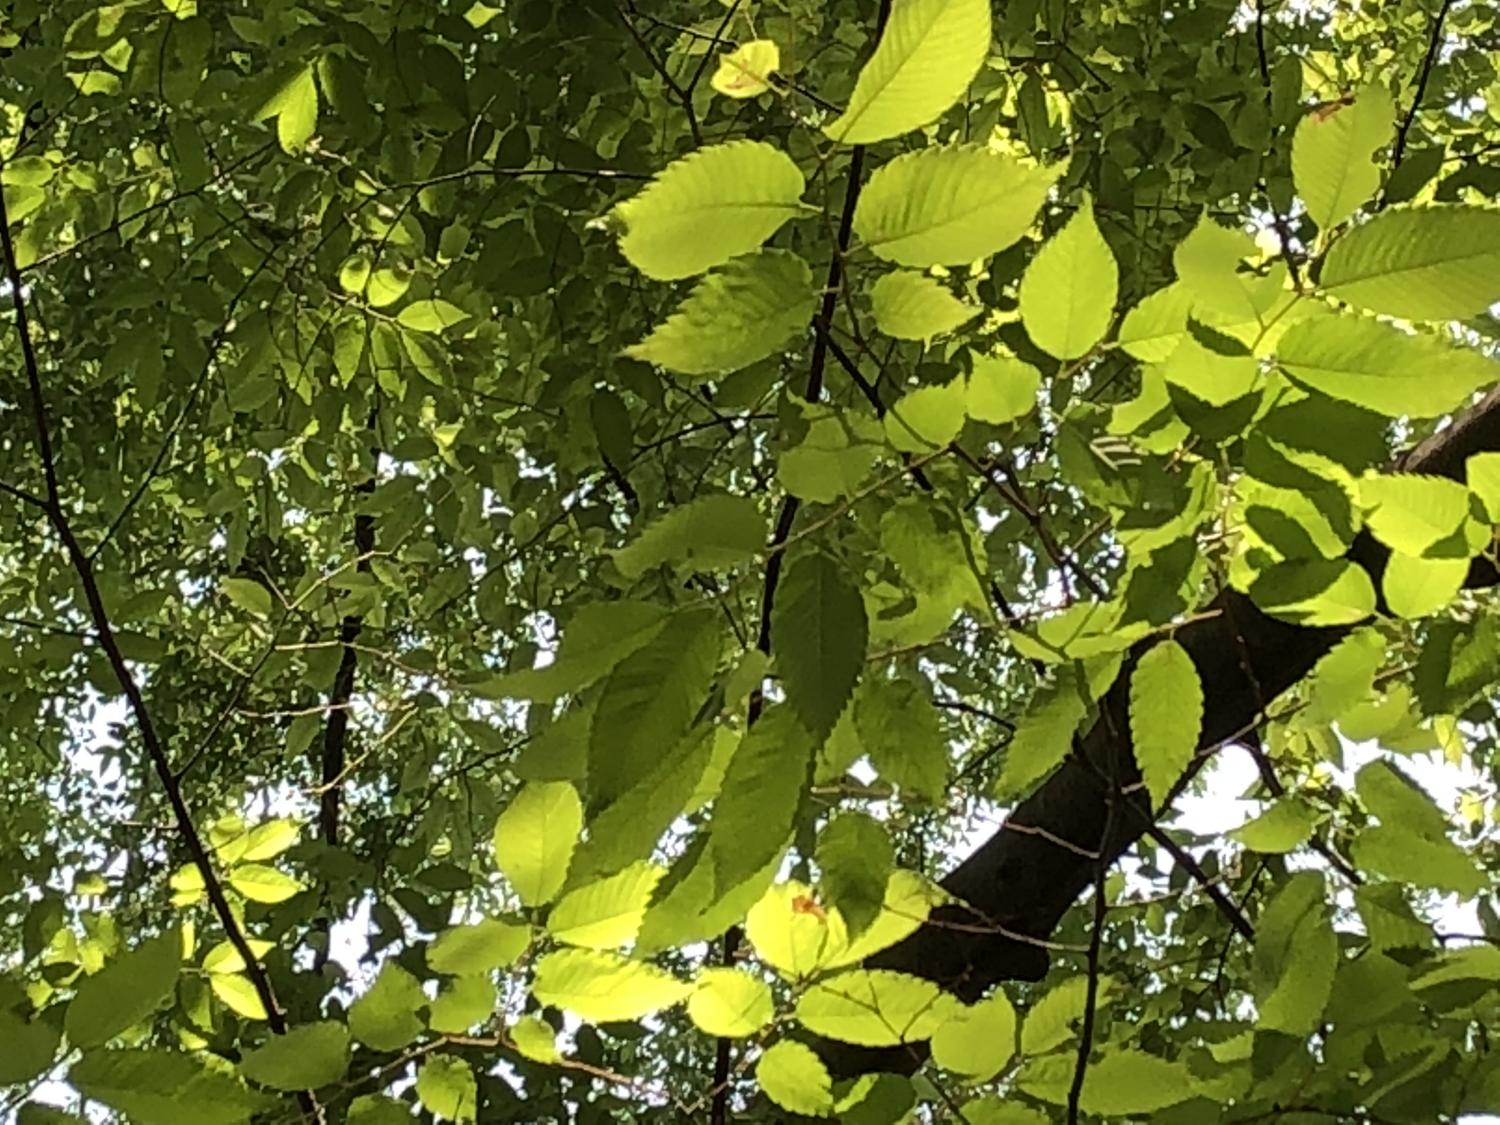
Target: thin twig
{"x":1398,"y":150}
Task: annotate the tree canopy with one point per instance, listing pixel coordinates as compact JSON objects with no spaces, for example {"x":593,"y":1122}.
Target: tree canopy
{"x":641,"y":560}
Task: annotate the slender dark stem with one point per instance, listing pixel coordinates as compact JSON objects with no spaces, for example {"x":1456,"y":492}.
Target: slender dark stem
{"x":1096,"y":943}
{"x":109,"y":643}
{"x":1434,"y":40}
{"x":1180,"y":855}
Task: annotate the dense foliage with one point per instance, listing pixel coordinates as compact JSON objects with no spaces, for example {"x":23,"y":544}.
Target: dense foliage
{"x":540,"y":542}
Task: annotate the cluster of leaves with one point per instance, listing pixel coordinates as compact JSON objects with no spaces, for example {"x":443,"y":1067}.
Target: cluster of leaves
{"x":537,"y":534}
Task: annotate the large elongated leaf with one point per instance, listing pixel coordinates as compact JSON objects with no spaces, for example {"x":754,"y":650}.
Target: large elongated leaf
{"x":949,"y":206}
{"x":125,"y":991}
{"x":754,"y":813}
{"x":928,"y":54}
{"x":1166,"y":715}
{"x":606,"y":913}
{"x":1420,"y":263}
{"x":1069,"y":289}
{"x":649,"y":701}
{"x":735,"y":316}
{"x":535,"y":837}
{"x":164,"y":1088}
{"x":818,"y":637}
{"x":1296,"y":953}
{"x":1381,"y":368}
{"x":710,"y":531}
{"x":1333,"y":154}
{"x":712,"y":205}
{"x":605,"y":987}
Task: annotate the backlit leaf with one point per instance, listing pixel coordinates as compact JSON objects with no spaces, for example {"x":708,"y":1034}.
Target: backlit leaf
{"x":126,"y":991}
{"x":305,"y":1058}
{"x":927,"y":418}
{"x":1068,"y":292}
{"x":746,"y":71}
{"x":979,"y":1040}
{"x":535,"y":837}
{"x":874,"y":1008}
{"x":1001,"y":389}
{"x":729,"y":1003}
{"x":607,"y":912}
{"x":913,"y":306}
{"x":605,"y":987}
{"x":1333,"y":154}
{"x":795,"y":1078}
{"x":711,"y":532}
{"x":1166,"y":715}
{"x":385,"y":1016}
{"x":447,"y":1089}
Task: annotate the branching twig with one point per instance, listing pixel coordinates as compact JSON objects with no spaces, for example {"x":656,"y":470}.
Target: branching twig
{"x":1398,"y":150}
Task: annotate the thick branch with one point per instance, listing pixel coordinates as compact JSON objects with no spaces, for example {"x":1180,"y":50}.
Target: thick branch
{"x":1026,"y":876}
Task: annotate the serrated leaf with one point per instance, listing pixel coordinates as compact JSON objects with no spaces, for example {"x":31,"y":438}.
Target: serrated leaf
{"x":1044,"y":735}
{"x":874,"y":1008}
{"x":928,"y":54}
{"x":124,"y":992}
{"x":1420,"y":587}
{"x":260,"y":883}
{"x":834,"y":458}
{"x":1053,"y":1020}
{"x":1069,"y":289}
{"x":462,"y":1003}
{"x":730,"y":1003}
{"x":430,"y":316}
{"x":238,"y":994}
{"x":708,"y":207}
{"x":1124,"y":1082}
{"x":535,"y":837}
{"x":927,"y":418}
{"x":1418,"y":515}
{"x":534,"y":1038}
{"x":1411,"y":842}
{"x":1001,"y":389}
{"x":792,"y":1076}
{"x":1438,"y":262}
{"x":598,"y":636}
{"x":746,"y":71}
{"x":269,"y":840}
{"x":949,"y":206}
{"x":1315,"y":592}
{"x":164,"y":1088}
{"x":995,"y":1111}
{"x":1166,"y":716}
{"x":478,"y":947}
{"x":1296,"y":954}
{"x":757,"y":808}
{"x":447,"y":1089}
{"x":1333,"y":154}
{"x":305,"y":1058}
{"x":854,"y":857}
{"x":1152,"y":330}
{"x":602,"y":987}
{"x":295,"y":107}
{"x":737,"y":315}
{"x":818,"y":639}
{"x":711,"y":532}
{"x":979,"y":1040}
{"x":649,"y":701}
{"x":793,"y":932}
{"x":606,"y":913}
{"x":1283,"y":827}
{"x":385,"y":1016}
{"x":912,"y":306}
{"x":900,"y":730}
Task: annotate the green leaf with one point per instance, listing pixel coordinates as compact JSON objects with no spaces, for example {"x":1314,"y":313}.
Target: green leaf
{"x":1044,"y":736}
{"x":1069,"y":289}
{"x":1124,"y":1082}
{"x":249,"y":595}
{"x":649,"y":701}
{"x":269,"y":840}
{"x":1283,"y":827}
{"x":478,"y":947}
{"x":949,"y":206}
{"x":792,"y":932}
{"x":711,"y":532}
{"x":979,"y":1040}
{"x":833,"y":459}
{"x":125,"y":991}
{"x":598,"y":636}
{"x":854,"y":857}
{"x":1166,"y":716}
{"x":994,"y":1111}
{"x":818,"y":639}
{"x":763,"y":787}
{"x":737,"y":315}
{"x":534,"y":1038}
{"x":239,"y":994}
{"x":378,"y":1109}
{"x":295,"y":107}
{"x":729,"y":1003}
{"x":1315,"y":592}
{"x":1207,"y":263}
{"x":1001,"y":389}
{"x":746,"y":71}
{"x":30,"y":1047}
{"x":708,"y":207}
{"x":1411,"y":843}
{"x":462,"y":1003}
{"x":604,"y":987}
{"x":164,"y":1088}
{"x":430,"y":316}
{"x":1053,"y":1020}
{"x":1152,"y":330}
{"x":900,"y":730}
{"x":1418,"y":515}
{"x":1420,"y":587}
{"x":1296,"y":954}
{"x":792,"y":1076}
{"x":305,"y":1058}
{"x":606,"y":913}
{"x":874,"y":1008}
{"x":260,"y":883}
{"x":928,"y":54}
{"x":1333,"y":154}
{"x":1419,"y":263}
{"x":385,"y":1017}
{"x":913,"y":306}
{"x":447,"y":1089}
{"x":535,"y":837}
{"x":927,"y":418}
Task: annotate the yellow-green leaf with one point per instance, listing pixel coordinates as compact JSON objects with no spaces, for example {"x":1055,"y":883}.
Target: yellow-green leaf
{"x":535,"y":837}
{"x":1333,"y":154}
{"x":746,"y":71}
{"x":1068,"y":291}
{"x":913,"y":306}
{"x":793,"y":1077}
{"x":605,"y":987}
{"x":1166,"y":715}
{"x":730,"y":1003}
